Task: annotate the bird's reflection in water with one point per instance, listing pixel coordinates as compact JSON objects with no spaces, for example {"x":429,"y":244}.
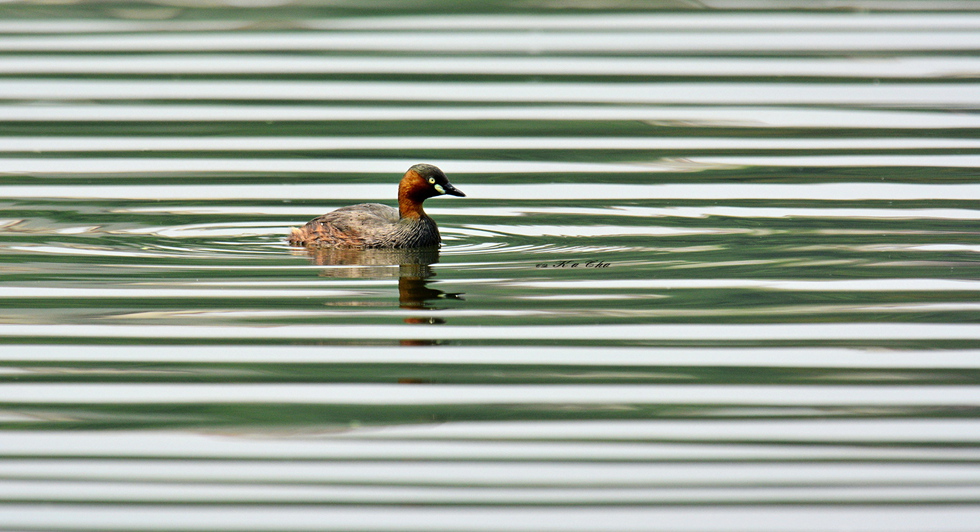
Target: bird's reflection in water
{"x":413,"y":272}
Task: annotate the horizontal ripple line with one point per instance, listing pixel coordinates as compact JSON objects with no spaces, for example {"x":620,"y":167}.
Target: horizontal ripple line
{"x":768,"y":40}
{"x":334,"y":192}
{"x":212,"y":64}
{"x":348,"y":287}
{"x":277,"y":492}
{"x":521,"y":441}
{"x":654,"y":332}
{"x":920,"y":18}
{"x":672,"y":116}
{"x":514,"y":473}
{"x":721,"y":93}
{"x":842,"y":161}
{"x":790,"y":357}
{"x":796,"y":430}
{"x":405,"y":518}
{"x":802,"y":285}
{"x":194,"y":144}
{"x":625,"y":211}
{"x":311,"y":165}
{"x":470,"y":394}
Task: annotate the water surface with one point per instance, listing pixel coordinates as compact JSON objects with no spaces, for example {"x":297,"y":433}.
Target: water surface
{"x":715,"y":270}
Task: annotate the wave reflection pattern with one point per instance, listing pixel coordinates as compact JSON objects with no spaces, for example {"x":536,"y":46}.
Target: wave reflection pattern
{"x":715,"y":270}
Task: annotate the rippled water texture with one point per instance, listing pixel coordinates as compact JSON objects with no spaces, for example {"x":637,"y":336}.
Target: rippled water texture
{"x":716,"y":270}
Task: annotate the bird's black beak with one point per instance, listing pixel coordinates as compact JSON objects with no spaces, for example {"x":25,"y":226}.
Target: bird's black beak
{"x":453,"y":191}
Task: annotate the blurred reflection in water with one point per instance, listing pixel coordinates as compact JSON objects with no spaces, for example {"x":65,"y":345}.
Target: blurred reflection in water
{"x":412,"y":267}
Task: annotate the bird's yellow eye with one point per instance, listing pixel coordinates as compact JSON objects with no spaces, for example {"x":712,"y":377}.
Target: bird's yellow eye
{"x":432,"y":181}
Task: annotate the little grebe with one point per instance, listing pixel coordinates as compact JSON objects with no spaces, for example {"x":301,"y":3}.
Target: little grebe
{"x":373,"y":225}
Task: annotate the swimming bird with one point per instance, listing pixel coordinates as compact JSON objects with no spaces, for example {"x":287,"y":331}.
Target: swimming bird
{"x":373,"y":225}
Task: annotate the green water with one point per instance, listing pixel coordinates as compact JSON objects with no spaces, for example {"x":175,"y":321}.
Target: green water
{"x":716,"y":268}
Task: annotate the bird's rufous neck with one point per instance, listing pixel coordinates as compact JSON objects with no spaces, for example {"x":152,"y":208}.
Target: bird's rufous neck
{"x":409,"y":208}
{"x":409,"y":199}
